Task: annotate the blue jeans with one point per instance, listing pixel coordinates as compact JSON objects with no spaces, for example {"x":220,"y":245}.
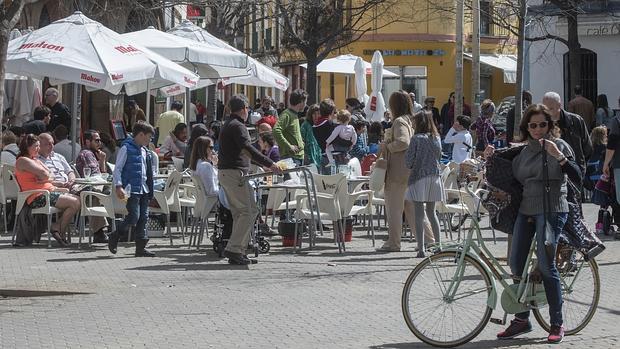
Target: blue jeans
{"x":522,"y":236}
{"x":137,"y":214}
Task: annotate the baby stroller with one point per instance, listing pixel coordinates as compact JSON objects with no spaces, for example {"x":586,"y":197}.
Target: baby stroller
{"x":604,"y":195}
{"x":223,"y":230}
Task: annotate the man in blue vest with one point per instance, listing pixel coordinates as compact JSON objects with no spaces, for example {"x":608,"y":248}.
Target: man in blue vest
{"x":134,"y":173}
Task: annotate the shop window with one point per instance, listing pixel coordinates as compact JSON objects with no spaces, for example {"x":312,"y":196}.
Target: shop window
{"x":415,"y":80}
{"x":485,"y":18}
{"x":391,"y":85}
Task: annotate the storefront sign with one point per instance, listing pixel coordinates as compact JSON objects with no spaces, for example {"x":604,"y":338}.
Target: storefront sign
{"x":386,"y":53}
{"x":592,"y":26}
{"x":605,"y":29}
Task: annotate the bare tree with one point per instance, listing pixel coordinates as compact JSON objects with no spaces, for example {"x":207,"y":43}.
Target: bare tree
{"x":228,"y":21}
{"x":317,"y":28}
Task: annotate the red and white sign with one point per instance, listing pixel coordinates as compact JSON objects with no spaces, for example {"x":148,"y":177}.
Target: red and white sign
{"x":42,"y":45}
{"x":126,"y":49}
{"x":90,"y":78}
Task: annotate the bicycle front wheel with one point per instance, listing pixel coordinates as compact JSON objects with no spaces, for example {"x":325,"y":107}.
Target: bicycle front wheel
{"x":437,"y":318}
{"x":581,"y":288}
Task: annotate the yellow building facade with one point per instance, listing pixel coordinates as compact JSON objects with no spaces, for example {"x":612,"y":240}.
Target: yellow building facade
{"x":422,"y":51}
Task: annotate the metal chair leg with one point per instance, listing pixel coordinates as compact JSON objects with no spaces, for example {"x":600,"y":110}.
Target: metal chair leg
{"x":169,"y":229}
{"x":372,"y":229}
{"x":49,"y":231}
{"x":4,"y":215}
{"x":80,"y":231}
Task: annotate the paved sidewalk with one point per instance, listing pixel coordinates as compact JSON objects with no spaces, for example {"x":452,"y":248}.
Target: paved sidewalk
{"x":74,"y":298}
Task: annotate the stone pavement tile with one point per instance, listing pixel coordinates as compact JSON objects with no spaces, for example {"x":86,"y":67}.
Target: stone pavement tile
{"x":187,"y":299}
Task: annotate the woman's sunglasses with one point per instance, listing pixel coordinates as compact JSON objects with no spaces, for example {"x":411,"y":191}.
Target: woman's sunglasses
{"x":534,"y":125}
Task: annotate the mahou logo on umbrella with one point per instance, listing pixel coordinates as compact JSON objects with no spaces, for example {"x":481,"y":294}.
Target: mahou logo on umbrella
{"x":127,"y":49}
{"x":90,"y":78}
{"x":42,"y":45}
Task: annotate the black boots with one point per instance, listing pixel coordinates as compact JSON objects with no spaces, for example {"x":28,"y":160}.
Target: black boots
{"x":140,"y":246}
{"x":140,"y":249}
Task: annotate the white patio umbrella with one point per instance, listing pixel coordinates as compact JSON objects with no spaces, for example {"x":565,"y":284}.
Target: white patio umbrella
{"x":82,"y":51}
{"x":21,"y":93}
{"x":360,"y":80}
{"x":258,"y":74}
{"x":376,"y":108}
{"x":344,"y":64}
{"x":208,"y":61}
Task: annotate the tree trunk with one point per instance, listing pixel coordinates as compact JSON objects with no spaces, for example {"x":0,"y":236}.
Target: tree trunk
{"x":4,"y":45}
{"x":458,"y":93}
{"x":520,"y":62}
{"x":211,"y":102}
{"x":574,"y":55}
{"x":311,"y":79}
{"x":475,"y":61}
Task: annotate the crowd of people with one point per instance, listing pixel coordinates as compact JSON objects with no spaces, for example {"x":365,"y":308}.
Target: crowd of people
{"x":413,"y":139}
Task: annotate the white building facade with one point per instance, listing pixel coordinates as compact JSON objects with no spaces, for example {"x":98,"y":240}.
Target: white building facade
{"x":547,"y":66}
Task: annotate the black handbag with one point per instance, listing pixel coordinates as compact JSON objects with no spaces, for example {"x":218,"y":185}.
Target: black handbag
{"x":499,"y":175}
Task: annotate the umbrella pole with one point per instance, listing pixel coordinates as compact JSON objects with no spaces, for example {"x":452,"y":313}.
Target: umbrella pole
{"x":148,"y":100}
{"x":74,"y":119}
{"x":188,"y":95}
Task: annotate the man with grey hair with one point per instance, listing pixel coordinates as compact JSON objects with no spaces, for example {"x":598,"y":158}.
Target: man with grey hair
{"x":572,"y":127}
{"x":60,"y":112}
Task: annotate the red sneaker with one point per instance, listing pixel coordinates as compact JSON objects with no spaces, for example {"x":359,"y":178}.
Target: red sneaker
{"x":517,"y":327}
{"x":556,"y":334}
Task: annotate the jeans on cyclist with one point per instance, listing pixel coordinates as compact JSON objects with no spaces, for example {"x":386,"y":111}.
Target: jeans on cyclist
{"x":526,"y":227}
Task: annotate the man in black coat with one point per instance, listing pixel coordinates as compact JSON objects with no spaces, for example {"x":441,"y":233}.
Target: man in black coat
{"x":573,"y":129}
{"x":60,"y":112}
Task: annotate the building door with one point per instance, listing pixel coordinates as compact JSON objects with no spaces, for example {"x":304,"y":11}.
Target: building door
{"x":589,"y":82}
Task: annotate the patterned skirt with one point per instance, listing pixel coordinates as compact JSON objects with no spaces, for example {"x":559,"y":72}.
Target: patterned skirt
{"x":426,"y":189}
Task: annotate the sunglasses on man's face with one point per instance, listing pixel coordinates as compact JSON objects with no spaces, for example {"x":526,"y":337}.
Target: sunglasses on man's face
{"x":534,"y":125}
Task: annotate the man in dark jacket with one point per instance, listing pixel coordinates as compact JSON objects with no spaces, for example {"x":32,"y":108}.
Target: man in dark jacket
{"x":39,"y":124}
{"x":582,"y":107}
{"x":60,"y":112}
{"x":236,"y":151}
{"x":573,"y":128}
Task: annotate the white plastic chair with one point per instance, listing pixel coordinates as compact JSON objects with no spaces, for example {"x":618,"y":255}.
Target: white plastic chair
{"x":105,"y":209}
{"x":335,"y":204}
{"x":187,"y":201}
{"x":8,"y":191}
{"x":378,"y":200}
{"x":45,"y":210}
{"x":168,"y":200}
{"x":203,"y":207}
{"x":178,"y":163}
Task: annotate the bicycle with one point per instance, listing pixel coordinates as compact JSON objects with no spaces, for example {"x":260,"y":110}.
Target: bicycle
{"x":449,"y":297}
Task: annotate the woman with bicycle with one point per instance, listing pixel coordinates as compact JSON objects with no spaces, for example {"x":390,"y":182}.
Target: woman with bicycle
{"x":544,"y":206}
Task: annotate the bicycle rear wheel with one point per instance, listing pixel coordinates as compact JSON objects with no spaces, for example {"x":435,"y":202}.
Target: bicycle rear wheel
{"x":581,"y":288}
{"x":437,"y":320}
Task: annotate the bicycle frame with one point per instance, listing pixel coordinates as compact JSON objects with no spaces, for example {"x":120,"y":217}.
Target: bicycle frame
{"x":476,"y":249}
